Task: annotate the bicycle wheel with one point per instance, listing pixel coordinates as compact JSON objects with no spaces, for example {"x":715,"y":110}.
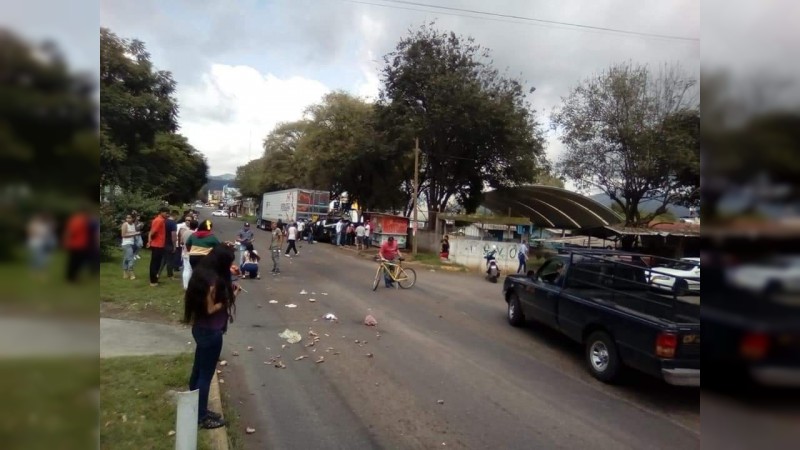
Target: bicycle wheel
{"x":406,"y":277}
{"x":377,"y":278}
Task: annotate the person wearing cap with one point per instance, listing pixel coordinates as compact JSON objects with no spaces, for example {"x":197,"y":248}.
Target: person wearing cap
{"x":201,"y":243}
{"x":244,"y":237}
{"x":391,"y":253}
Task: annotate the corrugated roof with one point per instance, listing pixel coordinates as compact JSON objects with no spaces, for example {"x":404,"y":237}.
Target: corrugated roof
{"x":551,"y":207}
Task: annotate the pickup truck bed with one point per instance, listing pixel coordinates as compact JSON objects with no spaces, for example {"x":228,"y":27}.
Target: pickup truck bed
{"x":608,"y":306}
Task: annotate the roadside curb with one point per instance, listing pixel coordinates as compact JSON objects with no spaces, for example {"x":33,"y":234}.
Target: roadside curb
{"x":219,"y":436}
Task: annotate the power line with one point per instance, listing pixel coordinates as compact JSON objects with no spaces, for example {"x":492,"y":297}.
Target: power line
{"x":503,"y":18}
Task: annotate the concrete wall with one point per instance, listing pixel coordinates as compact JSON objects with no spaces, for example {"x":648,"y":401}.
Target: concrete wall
{"x":469,"y":252}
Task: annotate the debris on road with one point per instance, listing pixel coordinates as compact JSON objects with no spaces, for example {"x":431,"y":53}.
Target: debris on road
{"x":310,"y":344}
{"x":223,"y":363}
{"x":291,"y":336}
{"x":330,"y":316}
{"x":320,"y":360}
{"x":221,"y":381}
{"x":303,"y":292}
{"x":291,"y":305}
{"x":357,"y":341}
{"x":171,"y":433}
{"x":370,"y":321}
{"x":312,"y":300}
{"x":273,"y":301}
{"x":370,"y":355}
{"x":235,"y":353}
{"x":324,"y":293}
{"x":312,"y":333}
{"x":249,"y":348}
{"x":250,"y":430}
{"x":441,"y":402}
{"x":301,"y":357}
{"x":219,"y":371}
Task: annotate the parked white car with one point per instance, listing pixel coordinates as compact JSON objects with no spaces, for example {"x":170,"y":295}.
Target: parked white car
{"x":219,"y":213}
{"x":663,"y":277}
{"x":772,"y":275}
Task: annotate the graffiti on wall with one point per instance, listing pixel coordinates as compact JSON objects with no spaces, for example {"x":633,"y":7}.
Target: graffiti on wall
{"x":475,"y":248}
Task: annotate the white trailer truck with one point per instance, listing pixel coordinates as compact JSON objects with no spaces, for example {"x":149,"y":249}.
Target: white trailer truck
{"x":291,"y":205}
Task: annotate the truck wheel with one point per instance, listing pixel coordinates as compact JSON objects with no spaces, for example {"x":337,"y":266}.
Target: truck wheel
{"x":602,"y":358}
{"x":515,"y":317}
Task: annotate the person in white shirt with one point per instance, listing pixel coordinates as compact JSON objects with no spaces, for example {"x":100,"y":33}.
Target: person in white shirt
{"x":128,"y":233}
{"x":522,"y":255}
{"x":301,"y":228}
{"x":292,"y":238}
{"x":367,"y":238}
{"x":251,"y":259}
{"x":360,"y":230}
{"x":339,"y":232}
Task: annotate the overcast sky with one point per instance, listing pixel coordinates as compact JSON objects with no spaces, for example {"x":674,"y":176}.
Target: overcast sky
{"x":242,"y":69}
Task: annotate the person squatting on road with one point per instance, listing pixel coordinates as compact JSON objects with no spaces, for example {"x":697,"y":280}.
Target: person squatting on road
{"x":209,"y":305}
{"x":245,"y":236}
{"x":250,"y":265}
{"x":390,"y":252}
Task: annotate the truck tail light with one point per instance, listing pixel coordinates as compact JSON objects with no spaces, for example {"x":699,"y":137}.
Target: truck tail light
{"x":666,"y":343}
{"x":754,"y":346}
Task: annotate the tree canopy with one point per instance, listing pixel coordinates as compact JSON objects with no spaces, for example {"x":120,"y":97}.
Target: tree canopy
{"x":139,"y":145}
{"x":635,"y":136}
{"x":474,"y":126}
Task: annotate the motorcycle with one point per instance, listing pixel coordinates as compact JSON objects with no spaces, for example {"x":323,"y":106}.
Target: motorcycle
{"x":493,"y":270}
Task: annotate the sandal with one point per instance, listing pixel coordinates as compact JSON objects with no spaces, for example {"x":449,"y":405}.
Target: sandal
{"x":210,"y":423}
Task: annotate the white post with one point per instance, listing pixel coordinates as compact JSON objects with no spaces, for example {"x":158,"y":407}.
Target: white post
{"x":186,"y":422}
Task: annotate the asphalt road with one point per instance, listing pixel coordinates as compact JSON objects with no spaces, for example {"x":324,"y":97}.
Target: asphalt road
{"x":447,"y":370}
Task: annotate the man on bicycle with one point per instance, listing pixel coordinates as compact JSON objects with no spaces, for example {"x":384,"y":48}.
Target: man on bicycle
{"x":392,"y":255}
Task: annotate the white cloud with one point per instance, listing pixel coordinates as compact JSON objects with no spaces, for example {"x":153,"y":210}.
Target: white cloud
{"x":369,"y":62}
{"x":228,"y":113}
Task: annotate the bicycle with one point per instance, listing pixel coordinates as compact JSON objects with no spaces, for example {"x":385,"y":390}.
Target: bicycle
{"x":405,"y":277}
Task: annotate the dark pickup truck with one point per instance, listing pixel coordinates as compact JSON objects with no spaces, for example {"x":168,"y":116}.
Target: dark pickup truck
{"x":604,"y":301}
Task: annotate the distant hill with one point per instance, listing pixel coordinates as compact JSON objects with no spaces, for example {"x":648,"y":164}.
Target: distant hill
{"x":223,"y":177}
{"x":645,"y":206}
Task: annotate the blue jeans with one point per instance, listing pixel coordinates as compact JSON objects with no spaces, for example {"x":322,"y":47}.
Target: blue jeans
{"x":523,"y":263}
{"x":250,"y":270}
{"x":206,"y":354}
{"x":127,"y":257}
{"x":339,"y":238}
{"x":391,"y":265}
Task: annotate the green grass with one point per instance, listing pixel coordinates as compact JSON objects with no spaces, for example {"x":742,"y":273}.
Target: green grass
{"x":137,"y":297}
{"x":50,"y":403}
{"x":135,"y":410}
{"x":46,"y":291}
{"x":433,"y":259}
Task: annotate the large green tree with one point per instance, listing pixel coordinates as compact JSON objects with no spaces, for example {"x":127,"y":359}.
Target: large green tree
{"x":139,"y":147}
{"x":475,"y":127}
{"x":48,"y":136}
{"x":634,"y":135}
{"x":344,"y":152}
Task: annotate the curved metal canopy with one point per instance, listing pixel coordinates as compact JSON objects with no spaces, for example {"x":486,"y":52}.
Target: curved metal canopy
{"x":551,"y":207}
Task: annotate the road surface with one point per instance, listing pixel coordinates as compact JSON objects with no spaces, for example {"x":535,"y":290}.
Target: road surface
{"x":446,"y":371}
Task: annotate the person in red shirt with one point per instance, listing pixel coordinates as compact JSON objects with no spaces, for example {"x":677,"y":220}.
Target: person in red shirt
{"x":77,"y":241}
{"x":156,"y":240}
{"x":390,"y":252}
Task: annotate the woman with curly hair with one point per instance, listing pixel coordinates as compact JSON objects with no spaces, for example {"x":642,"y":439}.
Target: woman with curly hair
{"x":209,"y":304}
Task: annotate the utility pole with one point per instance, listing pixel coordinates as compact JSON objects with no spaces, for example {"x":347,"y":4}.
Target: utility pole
{"x":416,"y":194}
